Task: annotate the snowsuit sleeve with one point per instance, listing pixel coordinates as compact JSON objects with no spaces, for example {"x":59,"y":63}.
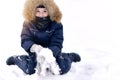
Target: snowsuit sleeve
{"x":26,"y":37}
{"x":57,"y":40}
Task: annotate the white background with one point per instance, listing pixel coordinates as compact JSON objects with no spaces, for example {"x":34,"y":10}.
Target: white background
{"x":91,"y":28}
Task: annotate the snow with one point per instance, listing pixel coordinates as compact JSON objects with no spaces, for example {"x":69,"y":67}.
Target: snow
{"x":91,"y":28}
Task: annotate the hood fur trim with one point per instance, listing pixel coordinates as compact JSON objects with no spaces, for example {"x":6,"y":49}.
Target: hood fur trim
{"x":30,"y":9}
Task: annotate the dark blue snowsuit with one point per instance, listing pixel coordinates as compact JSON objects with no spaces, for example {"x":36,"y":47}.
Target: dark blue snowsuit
{"x":50,"y":37}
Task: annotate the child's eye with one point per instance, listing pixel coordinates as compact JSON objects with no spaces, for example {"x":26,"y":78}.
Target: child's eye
{"x":37,"y":11}
{"x":45,"y":11}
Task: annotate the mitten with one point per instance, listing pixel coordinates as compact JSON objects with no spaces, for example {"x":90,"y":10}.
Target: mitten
{"x":36,"y":48}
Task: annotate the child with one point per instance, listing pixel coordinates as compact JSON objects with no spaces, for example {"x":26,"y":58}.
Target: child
{"x":42,"y":29}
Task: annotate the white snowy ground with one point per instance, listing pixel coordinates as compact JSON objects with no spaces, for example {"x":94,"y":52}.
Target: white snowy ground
{"x":91,"y":28}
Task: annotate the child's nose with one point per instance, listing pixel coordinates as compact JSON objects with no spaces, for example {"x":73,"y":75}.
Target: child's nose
{"x":41,"y":15}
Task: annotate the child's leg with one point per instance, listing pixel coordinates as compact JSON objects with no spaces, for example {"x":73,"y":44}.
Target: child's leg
{"x":64,"y":63}
{"x":24,"y":62}
{"x":65,"y":60}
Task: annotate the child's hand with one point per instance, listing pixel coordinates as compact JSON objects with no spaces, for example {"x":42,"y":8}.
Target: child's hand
{"x":36,"y":48}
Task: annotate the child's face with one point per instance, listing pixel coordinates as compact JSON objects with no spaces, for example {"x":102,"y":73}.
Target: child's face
{"x":41,"y":12}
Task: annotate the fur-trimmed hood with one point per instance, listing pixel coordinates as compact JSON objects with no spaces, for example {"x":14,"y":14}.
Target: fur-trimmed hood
{"x":30,"y":9}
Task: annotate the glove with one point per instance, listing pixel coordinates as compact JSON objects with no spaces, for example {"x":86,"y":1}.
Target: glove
{"x":36,"y":48}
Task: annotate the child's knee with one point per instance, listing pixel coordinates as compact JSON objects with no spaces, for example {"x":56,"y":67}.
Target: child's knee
{"x":64,"y":64}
